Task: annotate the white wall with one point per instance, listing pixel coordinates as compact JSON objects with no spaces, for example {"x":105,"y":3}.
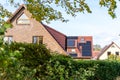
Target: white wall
{"x":111,"y":49}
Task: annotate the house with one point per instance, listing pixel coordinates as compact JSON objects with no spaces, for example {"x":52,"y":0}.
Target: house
{"x":111,"y":49}
{"x":27,"y":30}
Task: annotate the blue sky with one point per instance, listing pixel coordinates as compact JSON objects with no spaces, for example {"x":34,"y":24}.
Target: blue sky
{"x":98,"y":24}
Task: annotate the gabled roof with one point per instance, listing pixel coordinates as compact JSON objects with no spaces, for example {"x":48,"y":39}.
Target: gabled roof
{"x":58,"y":36}
{"x":107,"y":47}
{"x":21,"y":8}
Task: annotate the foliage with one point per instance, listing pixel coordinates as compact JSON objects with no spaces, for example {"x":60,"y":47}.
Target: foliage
{"x":10,"y":65}
{"x":3,"y":14}
{"x":106,"y":70}
{"x":35,"y":62}
{"x":50,"y":13}
{"x":111,"y":5}
{"x":49,"y":10}
{"x":97,"y":47}
{"x":114,"y":57}
{"x":20,"y":61}
{"x":3,"y":28}
{"x":65,"y":68}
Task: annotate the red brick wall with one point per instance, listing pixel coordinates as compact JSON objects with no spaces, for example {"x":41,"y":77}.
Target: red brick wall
{"x":24,"y":33}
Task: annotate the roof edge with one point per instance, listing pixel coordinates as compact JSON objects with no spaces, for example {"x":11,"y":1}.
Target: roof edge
{"x":53,"y":29}
{"x":15,"y":13}
{"x":53,"y":36}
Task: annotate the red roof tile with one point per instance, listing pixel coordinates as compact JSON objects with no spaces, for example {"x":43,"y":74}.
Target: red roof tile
{"x":59,"y":37}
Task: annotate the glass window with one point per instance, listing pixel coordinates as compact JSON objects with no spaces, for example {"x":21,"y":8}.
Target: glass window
{"x":8,"y":39}
{"x":71,"y":42}
{"x":38,"y":39}
{"x":82,"y":40}
{"x":23,"y":19}
{"x":108,"y":53}
{"x":117,"y":53}
{"x":73,"y":54}
{"x":73,"y":50}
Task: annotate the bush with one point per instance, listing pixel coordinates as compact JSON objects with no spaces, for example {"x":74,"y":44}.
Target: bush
{"x":20,"y":61}
{"x":62,"y":67}
{"x":105,"y":70}
{"x":23,"y":60}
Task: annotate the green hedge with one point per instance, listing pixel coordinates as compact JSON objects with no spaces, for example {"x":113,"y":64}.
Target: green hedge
{"x":105,"y":70}
{"x":35,"y":62}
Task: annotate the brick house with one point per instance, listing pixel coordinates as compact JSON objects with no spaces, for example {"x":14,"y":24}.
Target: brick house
{"x":28,"y":30}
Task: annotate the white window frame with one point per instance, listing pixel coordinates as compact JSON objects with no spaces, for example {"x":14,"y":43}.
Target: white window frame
{"x":37,"y":39}
{"x":8,"y":39}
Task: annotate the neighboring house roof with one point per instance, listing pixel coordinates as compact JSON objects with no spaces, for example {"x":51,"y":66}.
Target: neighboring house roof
{"x":95,"y":53}
{"x":59,"y":37}
{"x":106,"y":48}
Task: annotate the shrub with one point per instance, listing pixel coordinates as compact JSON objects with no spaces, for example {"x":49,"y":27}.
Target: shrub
{"x":20,"y":61}
{"x":23,"y":61}
{"x":105,"y":70}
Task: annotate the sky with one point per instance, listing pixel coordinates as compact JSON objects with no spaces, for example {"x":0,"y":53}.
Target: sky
{"x":98,"y":24}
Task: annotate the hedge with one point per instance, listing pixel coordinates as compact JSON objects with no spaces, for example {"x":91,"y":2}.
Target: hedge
{"x":35,"y":62}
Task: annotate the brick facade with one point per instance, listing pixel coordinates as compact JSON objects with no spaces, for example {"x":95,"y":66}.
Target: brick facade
{"x":54,"y":40}
{"x":24,"y":33}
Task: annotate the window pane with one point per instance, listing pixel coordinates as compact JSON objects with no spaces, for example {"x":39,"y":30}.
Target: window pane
{"x":73,"y":54}
{"x":38,"y":39}
{"x":71,"y":43}
{"x":8,"y":39}
{"x":82,"y":40}
{"x":23,"y":19}
{"x":34,"y":39}
{"x":109,"y":53}
{"x":117,"y":53}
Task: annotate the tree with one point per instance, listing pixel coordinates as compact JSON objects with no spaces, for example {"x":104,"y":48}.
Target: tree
{"x":44,"y":10}
{"x":97,"y":47}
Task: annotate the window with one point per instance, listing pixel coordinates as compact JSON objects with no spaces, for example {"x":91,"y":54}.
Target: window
{"x":71,"y":42}
{"x":23,"y":19}
{"x":73,"y":54}
{"x":8,"y":39}
{"x":108,"y":53}
{"x":82,"y":40}
{"x":112,"y":46}
{"x":117,"y":53}
{"x":86,"y":48}
{"x":73,"y":50}
{"x":38,"y":39}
